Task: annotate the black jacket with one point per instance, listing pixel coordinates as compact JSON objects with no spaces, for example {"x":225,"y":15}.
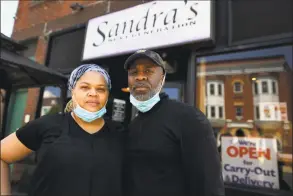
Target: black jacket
{"x":172,"y":151}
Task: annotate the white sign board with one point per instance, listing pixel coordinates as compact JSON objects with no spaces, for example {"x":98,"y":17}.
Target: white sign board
{"x":250,"y":161}
{"x":118,"y":110}
{"x":273,"y":111}
{"x":146,"y":26}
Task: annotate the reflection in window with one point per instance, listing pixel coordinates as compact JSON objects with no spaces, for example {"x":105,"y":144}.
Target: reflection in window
{"x":215,"y":88}
{"x":239,"y":111}
{"x":274,"y":91}
{"x":173,"y":93}
{"x":237,"y":87}
{"x":213,"y":112}
{"x":220,"y":112}
{"x":267,"y":74}
{"x":220,"y":89}
{"x":257,"y":112}
{"x":255,"y":88}
{"x":264,"y":86}
{"x":212,"y":89}
{"x":207,"y":111}
{"x":51,"y":101}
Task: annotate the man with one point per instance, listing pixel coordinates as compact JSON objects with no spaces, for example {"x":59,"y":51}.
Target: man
{"x":171,"y":149}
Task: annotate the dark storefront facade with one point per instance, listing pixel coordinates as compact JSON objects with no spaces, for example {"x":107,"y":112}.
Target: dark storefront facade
{"x":231,"y":59}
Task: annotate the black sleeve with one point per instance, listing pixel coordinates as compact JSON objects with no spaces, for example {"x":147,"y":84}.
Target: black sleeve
{"x":200,"y":156}
{"x":31,"y":134}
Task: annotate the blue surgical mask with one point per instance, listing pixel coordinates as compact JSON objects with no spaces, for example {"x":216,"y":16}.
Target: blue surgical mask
{"x":88,"y":116}
{"x":144,"y":106}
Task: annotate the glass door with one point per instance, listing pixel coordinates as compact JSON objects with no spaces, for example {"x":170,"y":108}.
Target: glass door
{"x":175,"y":90}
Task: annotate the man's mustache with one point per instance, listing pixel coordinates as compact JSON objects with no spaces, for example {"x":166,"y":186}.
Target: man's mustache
{"x":140,"y":84}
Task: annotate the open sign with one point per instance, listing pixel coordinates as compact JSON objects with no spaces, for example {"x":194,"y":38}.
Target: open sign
{"x":250,"y":161}
{"x":251,"y":152}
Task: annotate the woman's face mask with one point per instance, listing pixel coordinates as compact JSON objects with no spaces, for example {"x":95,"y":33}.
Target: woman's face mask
{"x":88,"y":116}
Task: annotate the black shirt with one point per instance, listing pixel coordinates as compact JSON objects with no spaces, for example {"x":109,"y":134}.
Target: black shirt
{"x":172,"y":151}
{"x":72,"y":161}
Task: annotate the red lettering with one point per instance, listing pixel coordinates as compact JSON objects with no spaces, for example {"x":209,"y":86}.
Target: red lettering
{"x":232,"y":151}
{"x":266,"y":154}
{"x":242,"y":151}
{"x":252,"y":152}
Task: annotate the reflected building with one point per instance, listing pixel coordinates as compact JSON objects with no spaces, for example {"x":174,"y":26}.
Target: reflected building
{"x":51,"y":101}
{"x":249,"y":97}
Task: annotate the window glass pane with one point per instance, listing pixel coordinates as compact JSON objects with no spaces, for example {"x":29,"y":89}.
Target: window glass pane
{"x":274,"y":87}
{"x":173,"y":93}
{"x":255,"y":88}
{"x":238,"y":111}
{"x":213,"y":113}
{"x":207,"y":111}
{"x":220,"y":89}
{"x":260,"y":115}
{"x":212,"y":89}
{"x":51,"y":101}
{"x":237,"y":87}
{"x":257,"y":112}
{"x":264,"y":86}
{"x":220,"y":112}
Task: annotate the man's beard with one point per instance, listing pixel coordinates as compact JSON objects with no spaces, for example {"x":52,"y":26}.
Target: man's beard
{"x":146,"y":96}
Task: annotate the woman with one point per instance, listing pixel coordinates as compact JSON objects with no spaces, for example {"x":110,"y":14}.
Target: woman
{"x":78,"y":153}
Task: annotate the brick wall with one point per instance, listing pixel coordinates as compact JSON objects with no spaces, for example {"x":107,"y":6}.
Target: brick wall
{"x":30,"y":14}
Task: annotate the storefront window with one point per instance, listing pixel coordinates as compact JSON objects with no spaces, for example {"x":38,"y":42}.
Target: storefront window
{"x":52,"y":103}
{"x":248,"y":99}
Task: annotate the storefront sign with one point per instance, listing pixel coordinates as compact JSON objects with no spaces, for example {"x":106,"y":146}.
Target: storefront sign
{"x":250,"y":161}
{"x":273,"y":111}
{"x":150,"y":25}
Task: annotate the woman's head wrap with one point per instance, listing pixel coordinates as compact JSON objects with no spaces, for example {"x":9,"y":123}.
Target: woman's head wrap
{"x":79,"y":71}
{"x":76,"y":75}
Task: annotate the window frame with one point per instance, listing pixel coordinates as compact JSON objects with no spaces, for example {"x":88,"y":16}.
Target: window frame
{"x":239,"y":107}
{"x":240,"y":86}
{"x":246,"y":118}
